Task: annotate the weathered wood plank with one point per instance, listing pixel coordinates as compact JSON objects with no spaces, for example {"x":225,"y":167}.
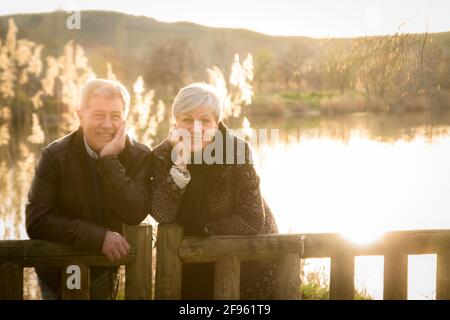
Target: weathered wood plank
{"x":39,"y":248}
{"x":443,"y":276}
{"x":11,"y":281}
{"x":196,"y":250}
{"x":31,"y":253}
{"x":342,"y":277}
{"x":227,"y":275}
{"x":75,"y":282}
{"x":138,"y":274}
{"x":211,"y":249}
{"x":287,"y":275}
{"x":169,"y":265}
{"x":100,"y":261}
{"x":395,"y":276}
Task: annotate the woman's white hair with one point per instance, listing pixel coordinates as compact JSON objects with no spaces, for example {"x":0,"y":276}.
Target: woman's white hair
{"x":105,"y":88}
{"x":197,"y":95}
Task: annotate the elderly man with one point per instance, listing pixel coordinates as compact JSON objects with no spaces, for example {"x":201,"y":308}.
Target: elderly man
{"x":87,"y":184}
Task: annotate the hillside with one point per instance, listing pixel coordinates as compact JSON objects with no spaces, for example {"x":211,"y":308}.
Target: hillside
{"x":126,"y":40}
{"x":169,"y":55}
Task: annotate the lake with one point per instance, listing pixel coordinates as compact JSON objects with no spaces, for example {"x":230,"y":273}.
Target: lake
{"x":357,"y":174}
{"x":361,"y":175}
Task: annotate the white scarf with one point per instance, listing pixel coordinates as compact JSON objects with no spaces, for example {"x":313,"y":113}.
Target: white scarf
{"x":180,"y":176}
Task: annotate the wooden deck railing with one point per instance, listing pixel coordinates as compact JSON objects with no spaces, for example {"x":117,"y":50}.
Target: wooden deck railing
{"x":173,"y":250}
{"x":287,"y":251}
{"x":18,"y":254}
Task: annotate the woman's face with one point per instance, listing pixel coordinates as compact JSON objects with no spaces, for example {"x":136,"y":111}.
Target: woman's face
{"x":201,"y":125}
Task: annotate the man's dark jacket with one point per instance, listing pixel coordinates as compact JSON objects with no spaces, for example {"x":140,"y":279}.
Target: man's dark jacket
{"x":61,"y":202}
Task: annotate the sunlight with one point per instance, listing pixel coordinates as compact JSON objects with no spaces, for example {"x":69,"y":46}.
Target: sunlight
{"x":378,"y":178}
{"x":361,"y":189}
{"x":422,"y":276}
{"x":369,"y":275}
{"x":362,"y":236}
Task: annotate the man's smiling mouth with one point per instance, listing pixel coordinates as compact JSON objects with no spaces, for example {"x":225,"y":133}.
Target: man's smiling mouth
{"x":106,"y":135}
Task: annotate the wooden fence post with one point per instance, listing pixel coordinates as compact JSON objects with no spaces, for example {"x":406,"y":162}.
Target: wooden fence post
{"x":227,"y":276}
{"x":75,"y":282}
{"x":287,"y":275}
{"x":138,"y":274}
{"x":169,"y":265}
{"x":11,"y":281}
{"x":342,"y":273}
{"x":443,"y":276}
{"x":395,"y":276}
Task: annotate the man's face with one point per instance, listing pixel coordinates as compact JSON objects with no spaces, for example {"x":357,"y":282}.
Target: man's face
{"x":100,"y":120}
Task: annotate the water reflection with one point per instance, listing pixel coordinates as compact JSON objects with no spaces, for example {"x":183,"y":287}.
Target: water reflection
{"x":362,"y":186}
{"x":378,"y":127}
{"x":361,"y":175}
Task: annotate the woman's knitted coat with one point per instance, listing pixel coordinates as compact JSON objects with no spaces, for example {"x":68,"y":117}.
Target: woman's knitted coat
{"x":234,"y":206}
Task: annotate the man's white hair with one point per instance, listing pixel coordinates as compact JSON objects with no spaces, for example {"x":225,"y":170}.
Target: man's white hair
{"x":197,"y":95}
{"x":107,"y":89}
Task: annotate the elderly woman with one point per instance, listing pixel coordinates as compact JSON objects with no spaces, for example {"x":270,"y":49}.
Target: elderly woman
{"x":204,"y":180}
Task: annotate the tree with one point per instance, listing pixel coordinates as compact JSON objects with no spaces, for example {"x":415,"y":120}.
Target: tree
{"x":386,"y":71}
{"x":292,"y":64}
{"x":171,"y":65}
{"x":264,"y":68}
{"x":341,"y":60}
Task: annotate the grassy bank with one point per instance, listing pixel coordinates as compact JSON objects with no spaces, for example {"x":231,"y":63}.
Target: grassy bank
{"x":316,"y":287}
{"x":329,"y":103}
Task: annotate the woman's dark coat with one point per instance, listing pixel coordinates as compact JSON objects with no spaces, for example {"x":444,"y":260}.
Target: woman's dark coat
{"x":234,"y":206}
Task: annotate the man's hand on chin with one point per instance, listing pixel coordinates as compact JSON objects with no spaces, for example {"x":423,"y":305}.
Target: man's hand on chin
{"x":117,"y":144}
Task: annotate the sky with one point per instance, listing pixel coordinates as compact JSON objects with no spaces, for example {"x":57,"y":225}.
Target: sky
{"x":313,"y":18}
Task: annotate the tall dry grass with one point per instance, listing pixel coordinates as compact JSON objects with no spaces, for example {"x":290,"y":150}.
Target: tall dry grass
{"x":38,"y":100}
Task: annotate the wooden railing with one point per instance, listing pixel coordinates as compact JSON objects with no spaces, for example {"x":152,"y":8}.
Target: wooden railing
{"x":173,"y":250}
{"x":18,"y":254}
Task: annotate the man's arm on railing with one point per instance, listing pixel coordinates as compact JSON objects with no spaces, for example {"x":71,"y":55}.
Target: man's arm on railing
{"x":43,"y":221}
